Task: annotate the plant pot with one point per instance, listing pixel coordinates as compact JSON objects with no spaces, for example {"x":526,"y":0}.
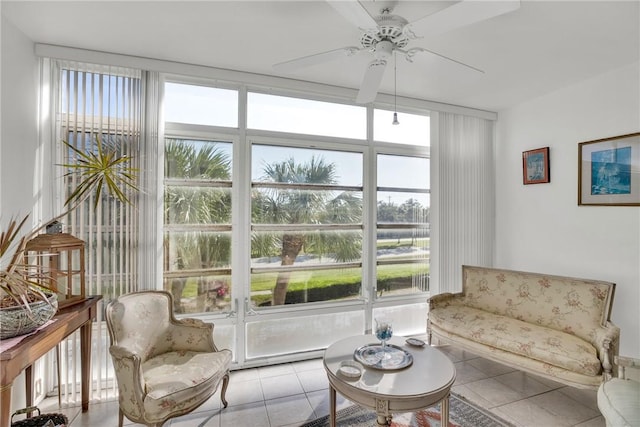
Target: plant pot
{"x":17,"y":320}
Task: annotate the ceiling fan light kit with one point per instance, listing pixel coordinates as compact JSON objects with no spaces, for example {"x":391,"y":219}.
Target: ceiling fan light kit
{"x":387,"y":34}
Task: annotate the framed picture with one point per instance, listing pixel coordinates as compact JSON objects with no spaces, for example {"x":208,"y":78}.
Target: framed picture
{"x":535,"y":166}
{"x":609,"y":171}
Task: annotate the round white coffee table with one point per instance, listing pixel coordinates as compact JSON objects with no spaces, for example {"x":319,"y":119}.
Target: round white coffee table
{"x":426,"y":382}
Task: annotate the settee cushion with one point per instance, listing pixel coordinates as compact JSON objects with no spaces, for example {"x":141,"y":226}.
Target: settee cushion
{"x":174,"y":379}
{"x":544,"y":344}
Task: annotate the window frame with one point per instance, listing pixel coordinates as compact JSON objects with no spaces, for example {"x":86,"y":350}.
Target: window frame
{"x":391,"y":226}
{"x":243,"y":138}
{"x":334,"y":147}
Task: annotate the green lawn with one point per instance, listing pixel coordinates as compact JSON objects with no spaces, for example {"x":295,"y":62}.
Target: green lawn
{"x":322,"y":278}
{"x":263,"y":283}
{"x":422,"y":242}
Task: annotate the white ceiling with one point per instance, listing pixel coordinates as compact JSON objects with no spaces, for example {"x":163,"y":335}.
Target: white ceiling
{"x":541,"y":47}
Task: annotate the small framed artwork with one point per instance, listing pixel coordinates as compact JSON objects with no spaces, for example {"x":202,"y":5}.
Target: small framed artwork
{"x":535,"y":166}
{"x":609,"y":171}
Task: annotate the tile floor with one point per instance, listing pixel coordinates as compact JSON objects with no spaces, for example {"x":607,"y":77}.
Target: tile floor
{"x":294,"y":393}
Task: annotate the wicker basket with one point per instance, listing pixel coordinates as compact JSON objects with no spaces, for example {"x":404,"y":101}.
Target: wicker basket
{"x":58,"y":420}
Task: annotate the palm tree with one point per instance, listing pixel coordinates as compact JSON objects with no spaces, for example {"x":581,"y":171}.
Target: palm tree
{"x":194,"y":250}
{"x":278,"y":205}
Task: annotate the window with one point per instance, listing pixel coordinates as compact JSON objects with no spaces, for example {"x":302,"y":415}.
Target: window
{"x":197,"y":224}
{"x":291,"y":254}
{"x":305,"y":116}
{"x":306,"y":209}
{"x":200,"y":105}
{"x":413,"y":129}
{"x":403,"y":224}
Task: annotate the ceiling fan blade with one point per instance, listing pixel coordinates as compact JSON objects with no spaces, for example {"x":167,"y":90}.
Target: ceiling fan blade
{"x":411,"y":53}
{"x":353,"y":11}
{"x":318,"y":58}
{"x":371,"y":81}
{"x":461,"y":14}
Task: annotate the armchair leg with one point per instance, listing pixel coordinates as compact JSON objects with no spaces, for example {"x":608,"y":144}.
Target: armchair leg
{"x":223,"y":392}
{"x":120,"y":418}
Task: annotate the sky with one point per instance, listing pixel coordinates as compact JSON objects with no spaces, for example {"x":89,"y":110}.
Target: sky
{"x":185,"y":103}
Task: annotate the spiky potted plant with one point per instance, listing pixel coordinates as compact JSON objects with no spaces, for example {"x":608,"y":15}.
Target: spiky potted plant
{"x":25,"y":304}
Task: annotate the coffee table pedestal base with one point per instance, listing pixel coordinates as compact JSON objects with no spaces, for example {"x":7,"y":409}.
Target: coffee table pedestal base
{"x":382,"y":410}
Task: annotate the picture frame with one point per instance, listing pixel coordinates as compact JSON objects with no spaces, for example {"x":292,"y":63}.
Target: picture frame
{"x":609,"y":171}
{"x":535,"y":166}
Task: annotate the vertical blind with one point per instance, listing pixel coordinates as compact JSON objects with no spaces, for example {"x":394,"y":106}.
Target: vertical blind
{"x":98,"y":105}
{"x":464,"y":198}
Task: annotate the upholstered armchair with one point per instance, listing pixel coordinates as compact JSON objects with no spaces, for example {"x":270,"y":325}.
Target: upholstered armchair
{"x":619,"y":398}
{"x":164,"y":367}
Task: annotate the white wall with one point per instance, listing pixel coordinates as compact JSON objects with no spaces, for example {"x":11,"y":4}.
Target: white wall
{"x":541,"y":227}
{"x":19,"y":119}
{"x":18,"y":139}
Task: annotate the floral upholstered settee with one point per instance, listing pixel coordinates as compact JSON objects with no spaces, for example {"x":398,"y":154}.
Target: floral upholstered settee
{"x":556,"y":327}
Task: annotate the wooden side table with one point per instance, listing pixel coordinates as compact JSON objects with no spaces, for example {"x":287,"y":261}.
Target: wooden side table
{"x":20,"y":357}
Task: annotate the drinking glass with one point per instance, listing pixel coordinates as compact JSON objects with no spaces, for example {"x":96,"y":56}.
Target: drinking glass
{"x":384,"y":331}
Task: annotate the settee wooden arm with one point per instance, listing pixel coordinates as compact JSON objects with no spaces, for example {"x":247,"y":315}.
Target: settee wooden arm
{"x":607,"y":342}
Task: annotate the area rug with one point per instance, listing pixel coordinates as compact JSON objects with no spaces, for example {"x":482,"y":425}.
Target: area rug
{"x":462,"y":413}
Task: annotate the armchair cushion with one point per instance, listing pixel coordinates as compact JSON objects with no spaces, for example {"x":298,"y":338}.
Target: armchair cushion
{"x":174,"y":380}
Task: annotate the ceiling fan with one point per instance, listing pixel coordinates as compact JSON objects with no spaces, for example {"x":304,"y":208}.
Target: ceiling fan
{"x":387,"y":34}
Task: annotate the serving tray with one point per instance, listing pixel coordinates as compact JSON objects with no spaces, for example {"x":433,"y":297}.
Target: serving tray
{"x":373,"y":356}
